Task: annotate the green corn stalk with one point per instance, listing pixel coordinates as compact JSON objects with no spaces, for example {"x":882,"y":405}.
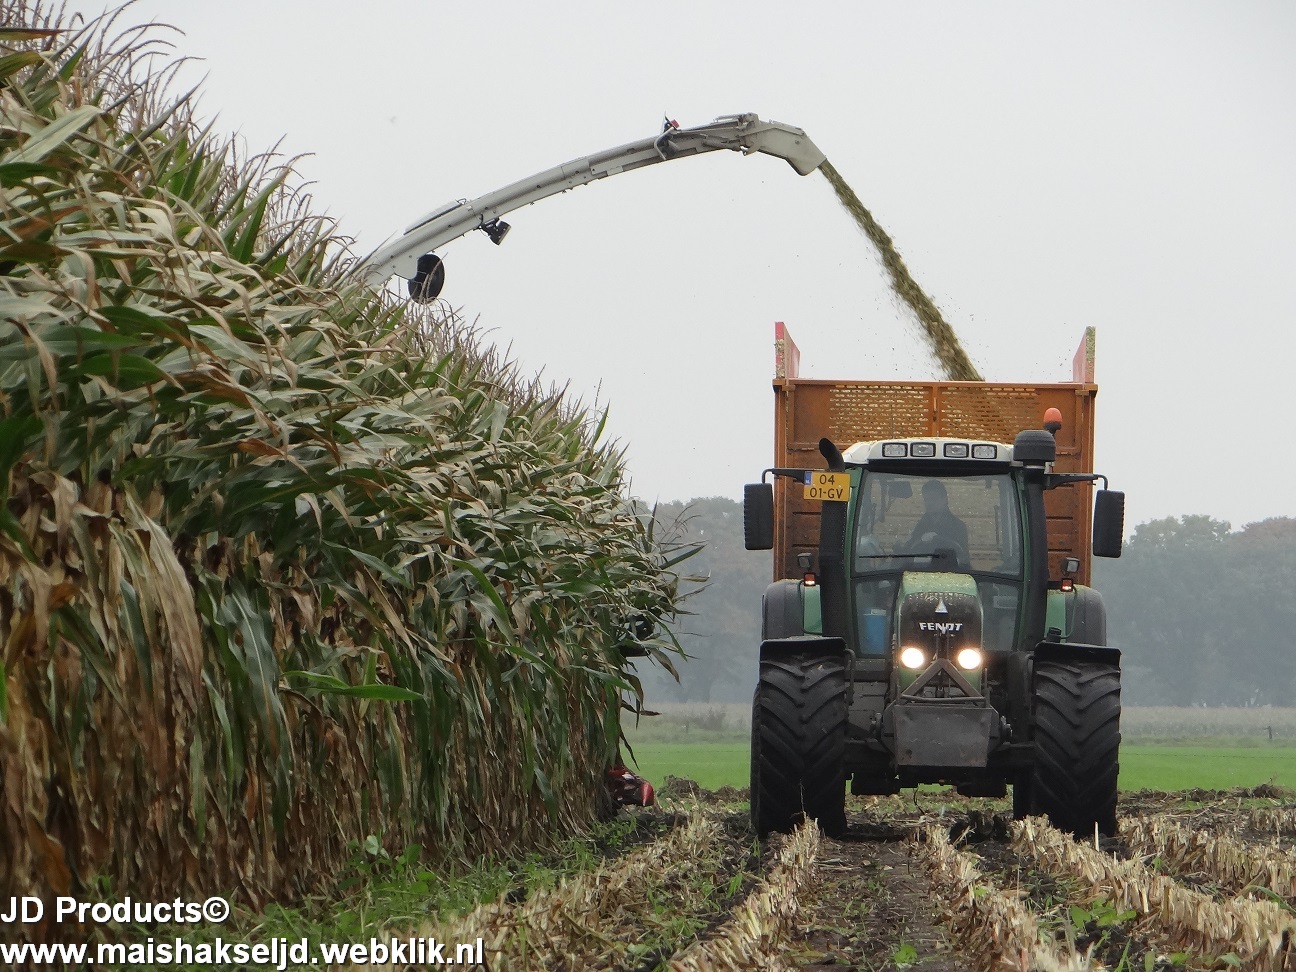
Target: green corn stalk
{"x":281,"y":561}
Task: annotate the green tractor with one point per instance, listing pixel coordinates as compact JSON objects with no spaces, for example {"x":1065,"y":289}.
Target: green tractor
{"x":929,"y":643}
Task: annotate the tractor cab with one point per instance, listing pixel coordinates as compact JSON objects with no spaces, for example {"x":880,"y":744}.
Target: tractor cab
{"x":934,"y":506}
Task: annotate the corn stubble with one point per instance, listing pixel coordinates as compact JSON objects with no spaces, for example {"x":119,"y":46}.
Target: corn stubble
{"x":1260,"y":934}
{"x":282,"y":562}
{"x":661,"y":897}
{"x":757,"y":934}
{"x":944,"y":343}
{"x":991,"y":927}
{"x":1279,"y":821}
{"x":1235,"y":866}
{"x":593,"y":919}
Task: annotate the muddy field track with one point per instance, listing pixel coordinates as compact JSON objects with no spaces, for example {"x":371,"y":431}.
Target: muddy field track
{"x":936,"y":882}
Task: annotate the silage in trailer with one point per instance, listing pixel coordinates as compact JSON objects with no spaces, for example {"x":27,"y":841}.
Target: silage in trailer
{"x":282,"y":562}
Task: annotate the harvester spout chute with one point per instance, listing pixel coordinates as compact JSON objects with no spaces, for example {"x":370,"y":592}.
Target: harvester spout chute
{"x":746,"y":134}
{"x":738,"y":133}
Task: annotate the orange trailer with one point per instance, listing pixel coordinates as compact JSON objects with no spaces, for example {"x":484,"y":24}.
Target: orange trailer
{"x":849,"y":411}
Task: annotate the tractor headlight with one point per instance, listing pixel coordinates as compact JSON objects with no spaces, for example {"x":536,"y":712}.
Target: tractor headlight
{"x":969,"y":658}
{"x":914,"y":658}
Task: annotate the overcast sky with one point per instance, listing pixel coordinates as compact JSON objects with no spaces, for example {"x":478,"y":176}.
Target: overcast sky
{"x":1042,"y":167}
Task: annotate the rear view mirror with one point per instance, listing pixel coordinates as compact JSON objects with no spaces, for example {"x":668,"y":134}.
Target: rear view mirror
{"x":899,"y":489}
{"x":1108,"y":523}
{"x":758,"y":516}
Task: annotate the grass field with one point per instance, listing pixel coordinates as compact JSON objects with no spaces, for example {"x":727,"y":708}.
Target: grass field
{"x":1163,"y":749}
{"x":1207,"y":767}
{"x":714,"y":764}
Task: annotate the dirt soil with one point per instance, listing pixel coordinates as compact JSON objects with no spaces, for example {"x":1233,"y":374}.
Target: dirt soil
{"x":869,"y":905}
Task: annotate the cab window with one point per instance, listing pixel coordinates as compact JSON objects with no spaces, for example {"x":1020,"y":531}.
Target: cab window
{"x":970,"y":524}
{"x":964,"y":523}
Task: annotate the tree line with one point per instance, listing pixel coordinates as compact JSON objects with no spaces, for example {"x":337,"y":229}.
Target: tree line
{"x":1204,"y":614}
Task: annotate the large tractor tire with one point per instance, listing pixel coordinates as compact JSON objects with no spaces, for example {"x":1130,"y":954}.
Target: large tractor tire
{"x":1077,"y":747}
{"x":799,"y":743}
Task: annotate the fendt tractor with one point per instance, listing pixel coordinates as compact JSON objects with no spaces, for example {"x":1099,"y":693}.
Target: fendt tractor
{"x":930,"y":619}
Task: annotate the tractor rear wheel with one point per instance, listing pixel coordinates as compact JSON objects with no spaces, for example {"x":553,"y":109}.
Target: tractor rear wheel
{"x":1077,"y":747}
{"x":799,"y":743}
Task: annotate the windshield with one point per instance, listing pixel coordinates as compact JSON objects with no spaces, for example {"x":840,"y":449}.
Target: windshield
{"x":963,"y":523}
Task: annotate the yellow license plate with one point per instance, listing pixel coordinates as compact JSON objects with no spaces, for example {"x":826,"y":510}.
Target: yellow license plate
{"x":821,"y":485}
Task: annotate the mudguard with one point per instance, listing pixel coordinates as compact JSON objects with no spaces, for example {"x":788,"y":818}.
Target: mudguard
{"x":1070,"y":651}
{"x":782,"y":612}
{"x":1087,"y":617}
{"x":806,"y":645}
{"x":1079,"y":614}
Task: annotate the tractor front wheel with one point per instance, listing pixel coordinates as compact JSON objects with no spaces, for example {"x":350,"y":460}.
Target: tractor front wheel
{"x":1077,"y":747}
{"x":799,"y":742}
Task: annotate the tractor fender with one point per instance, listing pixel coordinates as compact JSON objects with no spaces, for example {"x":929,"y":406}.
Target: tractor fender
{"x":1020,"y":678}
{"x":783,"y":610}
{"x":1079,"y":615}
{"x":772,"y":648}
{"x":1087,"y":617}
{"x":1072,"y":651}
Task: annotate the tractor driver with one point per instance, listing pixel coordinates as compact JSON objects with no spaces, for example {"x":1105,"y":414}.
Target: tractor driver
{"x":938,"y":528}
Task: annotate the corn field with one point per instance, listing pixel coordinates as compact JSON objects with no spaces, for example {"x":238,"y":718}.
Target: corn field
{"x":283,"y":562}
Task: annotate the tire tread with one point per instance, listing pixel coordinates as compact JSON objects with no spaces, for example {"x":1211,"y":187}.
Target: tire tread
{"x":799,"y":742}
{"x":1077,"y":746}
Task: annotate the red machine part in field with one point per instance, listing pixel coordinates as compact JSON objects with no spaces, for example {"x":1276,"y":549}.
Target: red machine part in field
{"x":629,"y":790}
